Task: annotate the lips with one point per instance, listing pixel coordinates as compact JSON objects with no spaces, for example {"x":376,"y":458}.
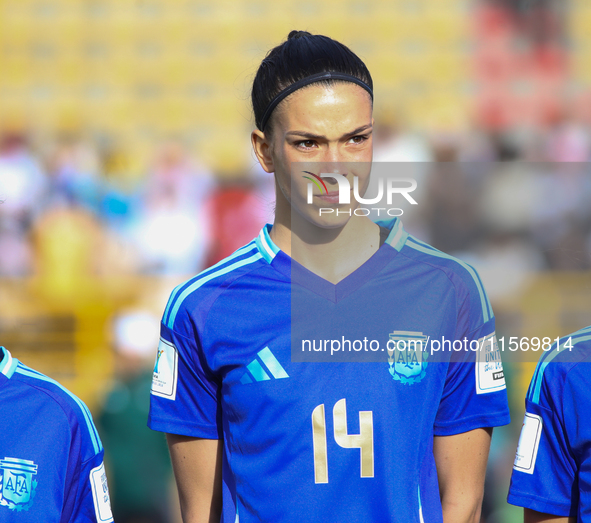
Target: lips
{"x":331,"y":197}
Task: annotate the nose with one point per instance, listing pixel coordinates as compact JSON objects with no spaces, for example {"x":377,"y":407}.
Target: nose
{"x":333,"y":162}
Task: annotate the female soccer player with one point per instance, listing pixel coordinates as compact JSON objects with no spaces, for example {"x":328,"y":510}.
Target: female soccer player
{"x":255,"y":434}
{"x":552,"y":471}
{"x":51,"y":455}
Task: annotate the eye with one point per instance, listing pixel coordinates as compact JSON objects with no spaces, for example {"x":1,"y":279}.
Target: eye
{"x":306,"y":144}
{"x":360,"y":138}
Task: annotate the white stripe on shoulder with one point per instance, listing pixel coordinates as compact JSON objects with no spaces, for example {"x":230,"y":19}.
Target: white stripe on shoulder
{"x":265,"y":246}
{"x":236,"y":254}
{"x":202,"y":281}
{"x":427,"y":249}
{"x":30,"y":373}
{"x":564,"y":344}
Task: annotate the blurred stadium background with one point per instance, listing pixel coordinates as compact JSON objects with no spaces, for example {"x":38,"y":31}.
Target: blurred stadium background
{"x":124,"y":120}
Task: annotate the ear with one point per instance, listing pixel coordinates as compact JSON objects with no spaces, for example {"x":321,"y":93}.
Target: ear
{"x":262,"y":149}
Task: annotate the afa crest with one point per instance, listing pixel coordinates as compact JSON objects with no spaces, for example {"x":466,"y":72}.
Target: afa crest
{"x":17,"y":486}
{"x":407,"y":356}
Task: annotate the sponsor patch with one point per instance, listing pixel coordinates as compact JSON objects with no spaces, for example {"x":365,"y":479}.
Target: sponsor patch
{"x":529,"y":440}
{"x":489,"y":368}
{"x":100,"y":494}
{"x":165,"y":371}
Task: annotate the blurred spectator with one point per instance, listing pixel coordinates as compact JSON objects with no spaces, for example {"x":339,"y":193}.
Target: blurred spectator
{"x":454,"y":213}
{"x":395,"y":144}
{"x":69,"y":246}
{"x":137,"y":458}
{"x":562,"y":217}
{"x":16,"y":255}
{"x":171,"y":228}
{"x":476,"y":146}
{"x":238,"y":210}
{"x":568,"y":141}
{"x":122,"y":187}
{"x":74,"y":174}
{"x":403,"y":154}
{"x":510,"y":196}
{"x":22,"y":186}
{"x":506,"y":262}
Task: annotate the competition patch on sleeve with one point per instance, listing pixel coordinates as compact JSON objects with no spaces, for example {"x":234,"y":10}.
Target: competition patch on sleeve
{"x":100,"y":494}
{"x":529,"y":440}
{"x":489,"y":368}
{"x":165,"y":371}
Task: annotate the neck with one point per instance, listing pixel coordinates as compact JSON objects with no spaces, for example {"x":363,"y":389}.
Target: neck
{"x":331,"y":253}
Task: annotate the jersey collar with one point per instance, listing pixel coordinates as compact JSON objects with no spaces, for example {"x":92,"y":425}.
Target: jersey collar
{"x":298,"y":273}
{"x":265,"y":245}
{"x":396,"y":238}
{"x":8,"y":363}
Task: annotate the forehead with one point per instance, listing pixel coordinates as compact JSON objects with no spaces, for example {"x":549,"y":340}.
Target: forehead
{"x":318,"y":106}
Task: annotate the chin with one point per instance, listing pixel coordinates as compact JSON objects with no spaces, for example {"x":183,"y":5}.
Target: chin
{"x":328,"y":217}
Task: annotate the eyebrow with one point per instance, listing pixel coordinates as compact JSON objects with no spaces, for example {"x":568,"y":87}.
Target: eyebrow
{"x":312,"y":136}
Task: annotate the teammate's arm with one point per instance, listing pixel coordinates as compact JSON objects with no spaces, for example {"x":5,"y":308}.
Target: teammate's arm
{"x":533,"y":516}
{"x":197,"y":465}
{"x":461,"y":466}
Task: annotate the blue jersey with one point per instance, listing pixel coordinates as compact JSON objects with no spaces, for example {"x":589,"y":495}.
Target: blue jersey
{"x":325,"y":441}
{"x":51,"y":457}
{"x":552,"y":469}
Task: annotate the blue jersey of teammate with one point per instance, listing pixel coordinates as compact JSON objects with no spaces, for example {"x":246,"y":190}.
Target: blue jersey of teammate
{"x":309,"y":441}
{"x":552,"y":470}
{"x":51,"y":457}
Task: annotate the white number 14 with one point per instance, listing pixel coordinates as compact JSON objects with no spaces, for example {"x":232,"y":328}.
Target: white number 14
{"x":362,"y":441}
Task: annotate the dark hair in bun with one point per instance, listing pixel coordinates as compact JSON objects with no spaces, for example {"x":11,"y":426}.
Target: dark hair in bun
{"x":302,"y":55}
{"x":297,"y":34}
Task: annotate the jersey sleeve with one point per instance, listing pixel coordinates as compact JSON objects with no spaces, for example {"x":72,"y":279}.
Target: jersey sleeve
{"x":92,"y":502}
{"x":86,"y":492}
{"x":544,"y":475}
{"x":184,"y":395}
{"x":474,"y":393}
{"x":576,"y":408}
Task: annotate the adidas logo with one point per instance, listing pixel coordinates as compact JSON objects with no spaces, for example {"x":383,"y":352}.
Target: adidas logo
{"x":263,"y":367}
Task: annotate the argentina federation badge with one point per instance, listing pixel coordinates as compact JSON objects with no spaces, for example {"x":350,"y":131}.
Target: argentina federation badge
{"x":17,"y":486}
{"x":407,"y":356}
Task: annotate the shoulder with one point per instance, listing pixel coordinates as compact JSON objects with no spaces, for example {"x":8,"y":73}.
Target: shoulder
{"x":461,"y":275}
{"x":565,"y":362}
{"x":452,"y":266}
{"x":58,"y":404}
{"x":198,"y":293}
